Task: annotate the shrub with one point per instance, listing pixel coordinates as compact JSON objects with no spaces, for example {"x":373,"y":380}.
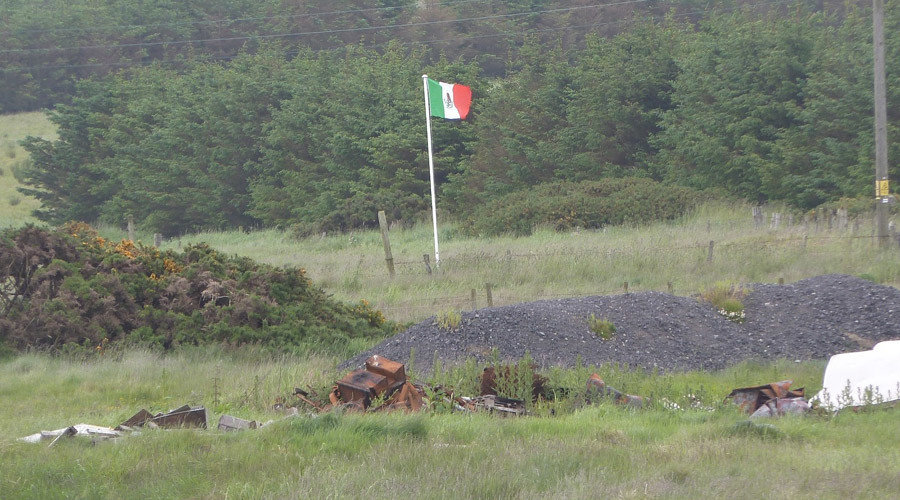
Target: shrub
{"x":72,"y":286}
{"x":18,"y":170}
{"x":588,"y":204}
{"x":602,"y":327}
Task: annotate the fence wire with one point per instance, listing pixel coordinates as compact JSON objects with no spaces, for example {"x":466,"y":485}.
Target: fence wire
{"x":812,"y":245}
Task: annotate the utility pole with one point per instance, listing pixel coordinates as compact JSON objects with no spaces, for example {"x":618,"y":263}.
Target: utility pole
{"x":882,"y":191}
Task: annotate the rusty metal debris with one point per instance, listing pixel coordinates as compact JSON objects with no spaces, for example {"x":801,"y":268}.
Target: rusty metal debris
{"x":381,"y":378}
{"x":773,"y":399}
{"x":505,"y":407}
{"x":597,"y":388}
{"x":183,"y":416}
{"x":382,"y":385}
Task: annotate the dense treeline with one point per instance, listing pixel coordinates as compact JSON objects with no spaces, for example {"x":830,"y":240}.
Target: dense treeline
{"x":46,"y":46}
{"x":765,"y":107}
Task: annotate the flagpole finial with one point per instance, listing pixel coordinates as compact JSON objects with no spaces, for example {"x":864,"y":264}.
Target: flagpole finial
{"x":424,"y":76}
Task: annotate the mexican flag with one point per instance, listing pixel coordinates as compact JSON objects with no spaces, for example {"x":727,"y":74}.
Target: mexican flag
{"x":449,"y":100}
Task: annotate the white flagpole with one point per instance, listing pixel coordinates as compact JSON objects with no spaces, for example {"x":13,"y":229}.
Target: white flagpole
{"x":437,"y":254}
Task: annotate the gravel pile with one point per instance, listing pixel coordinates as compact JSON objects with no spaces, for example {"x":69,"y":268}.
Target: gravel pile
{"x":810,"y":319}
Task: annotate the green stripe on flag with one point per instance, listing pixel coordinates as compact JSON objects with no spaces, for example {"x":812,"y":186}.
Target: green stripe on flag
{"x":436,"y":98}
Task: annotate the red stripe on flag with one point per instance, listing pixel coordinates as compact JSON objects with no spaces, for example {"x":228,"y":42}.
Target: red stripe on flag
{"x":462,"y":99}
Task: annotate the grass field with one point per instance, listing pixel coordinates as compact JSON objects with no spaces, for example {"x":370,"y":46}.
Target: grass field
{"x":601,"y":451}
{"x":553,"y":265}
{"x":15,"y":208}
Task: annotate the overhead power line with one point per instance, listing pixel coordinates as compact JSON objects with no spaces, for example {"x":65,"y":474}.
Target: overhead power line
{"x":94,"y":29}
{"x":415,"y":42}
{"x":322,"y":32}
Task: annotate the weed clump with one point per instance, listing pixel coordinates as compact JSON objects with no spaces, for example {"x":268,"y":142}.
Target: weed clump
{"x":602,"y":327}
{"x":448,"y":320}
{"x":728,"y":300}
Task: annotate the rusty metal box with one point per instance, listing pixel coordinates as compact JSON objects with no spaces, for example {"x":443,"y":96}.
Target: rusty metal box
{"x":393,"y":370}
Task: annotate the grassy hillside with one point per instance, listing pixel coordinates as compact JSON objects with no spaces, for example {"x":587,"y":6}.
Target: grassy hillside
{"x":15,"y":208}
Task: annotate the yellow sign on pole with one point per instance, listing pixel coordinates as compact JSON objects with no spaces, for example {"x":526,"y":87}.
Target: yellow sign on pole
{"x":882,"y":188}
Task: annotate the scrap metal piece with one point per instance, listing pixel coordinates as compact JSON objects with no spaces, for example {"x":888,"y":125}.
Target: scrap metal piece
{"x":779,"y":407}
{"x":361,"y":385}
{"x":185,"y":416}
{"x":69,"y":432}
{"x":750,"y":399}
{"x":228,"y":423}
{"x":408,"y":398}
{"x":74,"y":430}
{"x":392,"y":370}
{"x":597,"y":387}
{"x":504,"y":407}
{"x":380,"y":377}
{"x":137,"y":420}
{"x":304,"y":397}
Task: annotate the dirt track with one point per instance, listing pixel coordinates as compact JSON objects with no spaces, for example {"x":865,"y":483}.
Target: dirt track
{"x":809,"y":319}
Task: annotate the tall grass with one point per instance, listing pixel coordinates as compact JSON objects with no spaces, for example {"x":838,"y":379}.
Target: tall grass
{"x":553,"y":265}
{"x":16,"y":208}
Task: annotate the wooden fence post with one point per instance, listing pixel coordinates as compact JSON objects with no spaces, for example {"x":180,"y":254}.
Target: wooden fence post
{"x":757,"y":217}
{"x":670,"y":288}
{"x":131,"y":228}
{"x":709,"y":256}
{"x":625,"y":286}
{"x":157,"y":240}
{"x":388,"y":258}
{"x":426,"y":258}
{"x":490,"y":298}
{"x":474,"y":305}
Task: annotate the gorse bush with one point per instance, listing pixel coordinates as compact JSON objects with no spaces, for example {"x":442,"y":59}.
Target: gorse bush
{"x":71,"y":286}
{"x":587,"y":204}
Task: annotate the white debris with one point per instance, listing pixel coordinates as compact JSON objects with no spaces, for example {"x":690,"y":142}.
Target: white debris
{"x":93,"y":431}
{"x":862,"y":378}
